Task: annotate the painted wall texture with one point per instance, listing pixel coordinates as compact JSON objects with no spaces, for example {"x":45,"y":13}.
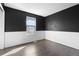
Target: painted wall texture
{"x":66,"y":20}
{"x":15,"y":20}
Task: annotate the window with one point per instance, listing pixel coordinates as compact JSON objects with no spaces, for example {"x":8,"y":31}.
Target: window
{"x":30,"y":23}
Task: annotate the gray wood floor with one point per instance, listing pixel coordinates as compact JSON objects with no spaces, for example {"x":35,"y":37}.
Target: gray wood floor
{"x":40,"y":48}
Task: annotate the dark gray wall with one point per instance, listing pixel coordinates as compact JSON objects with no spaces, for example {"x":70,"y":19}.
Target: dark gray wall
{"x":15,"y":20}
{"x":66,"y":20}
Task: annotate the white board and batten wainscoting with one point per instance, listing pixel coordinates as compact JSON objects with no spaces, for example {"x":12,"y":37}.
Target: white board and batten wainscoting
{"x":16,"y":38}
{"x":70,"y":39}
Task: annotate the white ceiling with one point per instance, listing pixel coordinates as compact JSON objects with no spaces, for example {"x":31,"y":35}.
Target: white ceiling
{"x":42,"y":9}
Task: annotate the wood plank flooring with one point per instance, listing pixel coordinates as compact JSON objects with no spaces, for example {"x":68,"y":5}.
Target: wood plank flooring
{"x":40,"y":48}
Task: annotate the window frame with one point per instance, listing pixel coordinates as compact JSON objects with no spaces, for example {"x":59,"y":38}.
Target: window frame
{"x":28,"y":26}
